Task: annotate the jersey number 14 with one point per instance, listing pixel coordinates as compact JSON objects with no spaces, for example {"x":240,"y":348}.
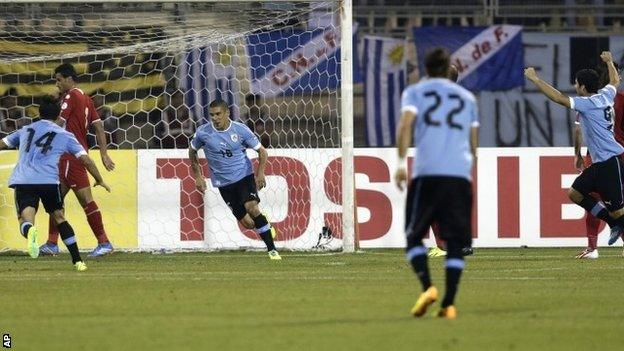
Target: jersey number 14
{"x":45,"y":142}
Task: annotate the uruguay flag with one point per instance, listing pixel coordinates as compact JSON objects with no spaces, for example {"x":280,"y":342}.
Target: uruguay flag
{"x":488,"y":58}
{"x":207,"y":74}
{"x":385,"y":74}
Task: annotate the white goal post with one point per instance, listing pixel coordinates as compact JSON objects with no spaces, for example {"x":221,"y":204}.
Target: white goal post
{"x":152,"y":67}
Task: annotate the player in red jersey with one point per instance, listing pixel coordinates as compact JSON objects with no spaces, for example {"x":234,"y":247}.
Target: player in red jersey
{"x":79,"y":114}
{"x":594,"y":225}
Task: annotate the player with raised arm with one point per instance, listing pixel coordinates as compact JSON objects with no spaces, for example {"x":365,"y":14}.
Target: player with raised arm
{"x":605,"y":175}
{"x":445,"y":135}
{"x":225,"y":143}
{"x":78,"y":113}
{"x":592,"y":224}
{"x":36,"y":176}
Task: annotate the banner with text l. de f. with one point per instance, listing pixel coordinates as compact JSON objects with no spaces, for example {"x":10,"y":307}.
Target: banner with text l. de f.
{"x":487,"y":58}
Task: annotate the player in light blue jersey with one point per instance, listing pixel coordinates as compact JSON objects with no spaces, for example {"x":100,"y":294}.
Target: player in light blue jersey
{"x":36,"y":176}
{"x":606,"y":174}
{"x":225,"y":144}
{"x":444,"y":120}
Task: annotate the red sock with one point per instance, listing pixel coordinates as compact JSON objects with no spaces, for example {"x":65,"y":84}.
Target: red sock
{"x":592,"y":224}
{"x":94,"y":217}
{"x":53,"y":232}
{"x":436,"y":234}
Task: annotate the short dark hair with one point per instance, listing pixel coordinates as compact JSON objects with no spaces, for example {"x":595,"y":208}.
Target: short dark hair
{"x":66,"y":70}
{"x":49,"y":109}
{"x":437,"y":62}
{"x":589,"y":78}
{"x":220,"y":103}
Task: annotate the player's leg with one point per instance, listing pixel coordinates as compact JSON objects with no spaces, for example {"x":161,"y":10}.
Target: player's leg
{"x":50,"y":247}
{"x":262,"y":227}
{"x":455,"y":217}
{"x":81,"y":186}
{"x":53,"y":204}
{"x":439,"y":249}
{"x":27,"y":203}
{"x":610,"y":177}
{"x":585,"y":184}
{"x":593,"y":226}
{"x":419,"y":208}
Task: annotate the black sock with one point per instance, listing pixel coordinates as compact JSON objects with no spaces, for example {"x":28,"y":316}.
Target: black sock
{"x":417,"y":256}
{"x":454,"y":266}
{"x":597,"y":209}
{"x":24,"y":227}
{"x":263,"y":228}
{"x":69,"y":239}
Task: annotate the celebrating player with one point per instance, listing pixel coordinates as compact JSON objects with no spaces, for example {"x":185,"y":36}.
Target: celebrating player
{"x":78,"y":113}
{"x":36,"y":176}
{"x":445,"y":137}
{"x":592,"y":224}
{"x":604,"y":176}
{"x":225,"y":143}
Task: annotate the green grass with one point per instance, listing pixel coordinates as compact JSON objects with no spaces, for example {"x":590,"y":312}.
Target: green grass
{"x":509,"y":299}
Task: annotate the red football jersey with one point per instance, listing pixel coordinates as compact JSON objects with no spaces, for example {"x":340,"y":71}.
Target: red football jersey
{"x":78,"y":112}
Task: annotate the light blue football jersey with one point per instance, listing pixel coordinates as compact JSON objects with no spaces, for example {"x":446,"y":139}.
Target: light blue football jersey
{"x":225,"y":151}
{"x":41,"y":145}
{"x":596,"y":118}
{"x":445,"y":113}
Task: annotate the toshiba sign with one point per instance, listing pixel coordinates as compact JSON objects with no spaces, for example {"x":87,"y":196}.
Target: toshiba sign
{"x":520,"y":199}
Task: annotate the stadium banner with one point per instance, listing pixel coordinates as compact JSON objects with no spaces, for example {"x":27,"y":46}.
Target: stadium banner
{"x":487,"y":58}
{"x":119,"y":208}
{"x":520,"y":199}
{"x":385,"y":72}
{"x":286,"y":62}
{"x":207,"y":74}
{"x":523,"y":116}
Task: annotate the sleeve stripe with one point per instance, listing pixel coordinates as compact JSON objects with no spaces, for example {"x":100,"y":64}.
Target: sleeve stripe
{"x":612,"y":87}
{"x":193,"y":146}
{"x":475,"y":124}
{"x":7,"y":142}
{"x":80,"y":153}
{"x":258,"y":146}
{"x":409,"y":108}
{"x":571,"y":103}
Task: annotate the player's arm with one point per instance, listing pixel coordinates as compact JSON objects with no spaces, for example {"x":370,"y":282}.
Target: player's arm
{"x":73,"y":147}
{"x":263,"y":156}
{"x":614,"y":77}
{"x":404,"y":135}
{"x":578,"y":141}
{"x":10,"y":141}
{"x":474,"y":140}
{"x":100,"y":136}
{"x":93,"y":170}
{"x":200,"y":182}
{"x":547,"y":89}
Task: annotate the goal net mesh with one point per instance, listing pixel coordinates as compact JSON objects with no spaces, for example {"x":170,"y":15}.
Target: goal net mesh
{"x":152,"y":69}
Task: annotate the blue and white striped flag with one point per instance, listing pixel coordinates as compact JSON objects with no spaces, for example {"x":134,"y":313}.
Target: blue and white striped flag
{"x":207,"y":74}
{"x":385,"y":74}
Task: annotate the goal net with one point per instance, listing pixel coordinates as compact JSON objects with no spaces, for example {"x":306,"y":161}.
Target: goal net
{"x":152,"y":69}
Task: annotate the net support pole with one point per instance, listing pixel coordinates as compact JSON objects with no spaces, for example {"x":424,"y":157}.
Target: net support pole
{"x":346,"y":112}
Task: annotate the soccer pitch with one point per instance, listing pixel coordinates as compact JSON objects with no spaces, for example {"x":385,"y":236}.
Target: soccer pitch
{"x":509,"y":299}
